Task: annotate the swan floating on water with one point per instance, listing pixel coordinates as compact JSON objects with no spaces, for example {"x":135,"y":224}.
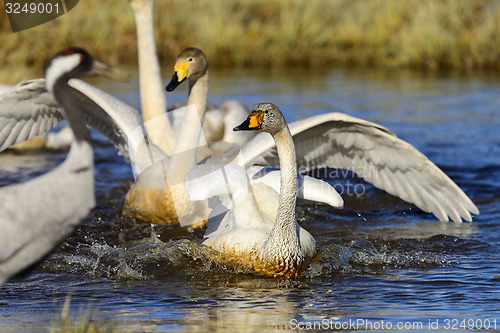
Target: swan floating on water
{"x":172,"y":203}
{"x":247,"y":235}
{"x":41,"y":212}
{"x":162,"y":205}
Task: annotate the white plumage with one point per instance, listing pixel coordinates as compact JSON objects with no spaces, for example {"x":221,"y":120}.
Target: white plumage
{"x":262,"y":236}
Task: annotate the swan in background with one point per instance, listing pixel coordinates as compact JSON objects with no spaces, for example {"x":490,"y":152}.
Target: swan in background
{"x":38,"y":214}
{"x":192,"y":65}
{"x":264,"y":238}
{"x":171,"y":203}
{"x":153,"y":102}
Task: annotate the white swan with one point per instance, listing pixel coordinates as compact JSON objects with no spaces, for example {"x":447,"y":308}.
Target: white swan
{"x":156,"y":204}
{"x":38,"y":214}
{"x":248,"y":236}
{"x":192,"y":66}
{"x":171,"y":202}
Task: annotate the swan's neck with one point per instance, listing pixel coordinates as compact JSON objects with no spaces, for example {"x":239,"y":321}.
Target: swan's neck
{"x":185,"y":152}
{"x":186,"y":148}
{"x":198,"y":94}
{"x":284,"y":232}
{"x":153,"y":102}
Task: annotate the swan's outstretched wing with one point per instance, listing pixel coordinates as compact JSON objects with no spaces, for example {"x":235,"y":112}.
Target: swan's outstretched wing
{"x":26,"y":111}
{"x":29,"y":110}
{"x":373,"y":152}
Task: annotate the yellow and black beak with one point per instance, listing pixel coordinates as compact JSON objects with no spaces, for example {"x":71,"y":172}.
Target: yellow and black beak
{"x":180,"y":74}
{"x":252,"y":123}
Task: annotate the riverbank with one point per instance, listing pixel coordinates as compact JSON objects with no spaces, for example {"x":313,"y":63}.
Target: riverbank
{"x":427,"y":34}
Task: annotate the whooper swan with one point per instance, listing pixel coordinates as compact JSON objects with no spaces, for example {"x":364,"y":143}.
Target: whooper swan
{"x":218,"y":123}
{"x":172,"y":203}
{"x":247,"y":236}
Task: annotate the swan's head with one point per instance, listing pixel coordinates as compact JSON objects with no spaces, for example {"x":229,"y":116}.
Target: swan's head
{"x":265,"y":117}
{"x":191,"y":64}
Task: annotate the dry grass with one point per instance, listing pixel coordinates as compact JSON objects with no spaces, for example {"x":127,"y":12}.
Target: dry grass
{"x":430,"y":34}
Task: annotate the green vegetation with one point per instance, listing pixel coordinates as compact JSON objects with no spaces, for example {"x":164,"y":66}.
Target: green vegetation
{"x":427,"y":34}
{"x":83,"y":323}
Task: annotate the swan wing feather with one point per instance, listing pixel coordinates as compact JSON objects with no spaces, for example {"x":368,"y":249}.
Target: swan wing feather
{"x":374,"y":153}
{"x":26,"y":110}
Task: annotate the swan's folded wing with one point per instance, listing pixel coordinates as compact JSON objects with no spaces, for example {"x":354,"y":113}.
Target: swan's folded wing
{"x":26,"y":111}
{"x":375,"y":154}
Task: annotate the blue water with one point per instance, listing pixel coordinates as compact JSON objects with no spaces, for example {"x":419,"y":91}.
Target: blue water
{"x":425,"y":276}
